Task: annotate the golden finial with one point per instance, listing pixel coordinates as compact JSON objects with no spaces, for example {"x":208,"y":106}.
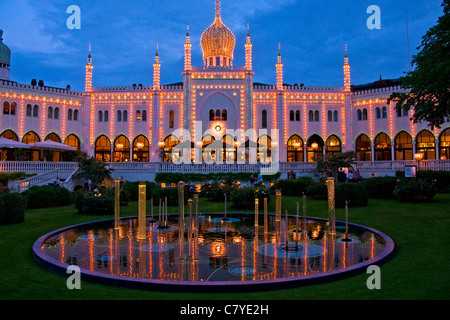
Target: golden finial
{"x":218,"y":9}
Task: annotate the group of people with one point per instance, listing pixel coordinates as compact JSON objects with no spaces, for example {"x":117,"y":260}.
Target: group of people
{"x":343,"y":177}
{"x":257,"y":181}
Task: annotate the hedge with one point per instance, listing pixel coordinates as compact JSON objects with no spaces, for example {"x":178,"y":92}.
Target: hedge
{"x":87,"y":203}
{"x":47,"y":197}
{"x":440,"y":179}
{"x":12,"y":208}
{"x":317,"y":191}
{"x":381,"y":187}
{"x":199,"y":177}
{"x":356,"y":193}
{"x":415,"y":191}
{"x":244,"y":198}
{"x":293,"y":187}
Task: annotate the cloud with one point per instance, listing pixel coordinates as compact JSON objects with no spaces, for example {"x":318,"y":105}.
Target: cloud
{"x":26,"y":31}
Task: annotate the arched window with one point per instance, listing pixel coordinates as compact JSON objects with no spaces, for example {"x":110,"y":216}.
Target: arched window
{"x":224,"y":115}
{"x":211,"y":115}
{"x":125,"y":116}
{"x":317,"y":116}
{"x":105,"y":115}
{"x":383,"y":150}
{"x":73,"y":141}
{"x":399,"y":113}
{"x":364,"y":114}
{"x":426,"y":145}
{"x":330,"y":116}
{"x":208,"y":153}
{"x":315,"y":148}
{"x":6,"y":107}
{"x":30,"y":138}
{"x":363,"y":148}
{"x":264,"y":154}
{"x":297,"y":115}
{"x":264,"y":119}
{"x":171,"y":119}
{"x":218,"y":115}
{"x":144,"y":115}
{"x":100,"y":116}
{"x":169,"y":143}
{"x":13,"y":108}
{"x":29,"y":110}
{"x":119,"y":116}
{"x":444,"y":145}
{"x":70,"y":114}
{"x":141,"y":149}
{"x":9,"y":134}
{"x":36,"y":111}
{"x":56,"y":113}
{"x":336,"y":116}
{"x":121,"y":149}
{"x":50,"y":113}
{"x":378,"y":112}
{"x":295,"y":149}
{"x":403,"y":147}
{"x":229,"y":149}
{"x":75,"y":115}
{"x":53,"y":137}
{"x":333,"y":146}
{"x":291,"y":115}
{"x":311,"y":116}
{"x":384,"y":112}
{"x":138,"y":115}
{"x":359,"y":114}
{"x":103,"y":149}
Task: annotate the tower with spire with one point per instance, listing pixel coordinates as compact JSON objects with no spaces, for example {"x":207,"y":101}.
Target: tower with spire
{"x":89,"y":71}
{"x":347,"y":75}
{"x":248,"y":51}
{"x":279,"y":67}
{"x":156,"y":71}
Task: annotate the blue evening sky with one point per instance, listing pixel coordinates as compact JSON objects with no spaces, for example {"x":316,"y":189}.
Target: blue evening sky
{"x":124,"y":33}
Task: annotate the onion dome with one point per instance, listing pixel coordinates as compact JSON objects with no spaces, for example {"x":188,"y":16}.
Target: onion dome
{"x":5,"y":52}
{"x":218,"y":40}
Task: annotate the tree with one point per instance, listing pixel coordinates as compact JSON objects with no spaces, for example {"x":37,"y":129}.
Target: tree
{"x":92,"y":169}
{"x":428,"y":84}
{"x":329,"y":166}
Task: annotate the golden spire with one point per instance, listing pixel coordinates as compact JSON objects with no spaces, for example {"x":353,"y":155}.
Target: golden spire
{"x":218,"y":9}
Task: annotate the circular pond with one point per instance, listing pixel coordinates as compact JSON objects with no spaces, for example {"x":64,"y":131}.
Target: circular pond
{"x":213,"y":254}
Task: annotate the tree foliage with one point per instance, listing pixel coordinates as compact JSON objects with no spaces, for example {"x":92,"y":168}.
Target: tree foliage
{"x":329,"y":166}
{"x":428,"y":83}
{"x":92,"y":169}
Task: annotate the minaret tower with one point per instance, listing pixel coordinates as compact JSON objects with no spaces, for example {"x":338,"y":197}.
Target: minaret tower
{"x":348,"y":128}
{"x":156,"y":71}
{"x":187,"y":51}
{"x":279,"y":66}
{"x":248,"y":51}
{"x":89,"y":69}
{"x":347,"y":77}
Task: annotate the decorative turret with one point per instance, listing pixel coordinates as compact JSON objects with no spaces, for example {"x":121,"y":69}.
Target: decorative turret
{"x":218,"y":43}
{"x":187,"y":51}
{"x":156,"y":71}
{"x":347,"y":76}
{"x":279,"y":66}
{"x":5,"y":59}
{"x":248,"y":51}
{"x":89,"y":71}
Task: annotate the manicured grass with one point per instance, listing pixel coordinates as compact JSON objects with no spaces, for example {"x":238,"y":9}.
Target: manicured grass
{"x":419,"y":269}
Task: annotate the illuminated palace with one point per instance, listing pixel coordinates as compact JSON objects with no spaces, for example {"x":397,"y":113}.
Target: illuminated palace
{"x":137,"y":123}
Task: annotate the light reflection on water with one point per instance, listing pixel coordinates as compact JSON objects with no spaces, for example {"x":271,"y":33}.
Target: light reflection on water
{"x":222,"y":250}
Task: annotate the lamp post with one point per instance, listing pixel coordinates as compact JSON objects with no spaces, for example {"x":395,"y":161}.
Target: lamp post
{"x":418,"y":157}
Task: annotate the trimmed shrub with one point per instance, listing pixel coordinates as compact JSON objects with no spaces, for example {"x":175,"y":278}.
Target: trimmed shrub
{"x":381,"y":188}
{"x":440,"y":179}
{"x":12,"y":208}
{"x":415,"y":191}
{"x":293,"y":187}
{"x":317,"y":191}
{"x":244,"y":198}
{"x":47,"y":197}
{"x":215,"y":192}
{"x":89,"y":204}
{"x":356,"y":193}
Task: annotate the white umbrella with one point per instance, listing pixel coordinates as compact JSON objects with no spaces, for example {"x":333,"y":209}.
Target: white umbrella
{"x":51,"y":145}
{"x":6,"y":143}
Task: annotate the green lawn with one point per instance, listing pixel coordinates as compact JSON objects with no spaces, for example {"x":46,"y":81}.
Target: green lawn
{"x":419,"y":269}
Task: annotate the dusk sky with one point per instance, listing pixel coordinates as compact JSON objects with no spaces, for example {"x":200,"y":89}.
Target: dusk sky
{"x":123,"y":34}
